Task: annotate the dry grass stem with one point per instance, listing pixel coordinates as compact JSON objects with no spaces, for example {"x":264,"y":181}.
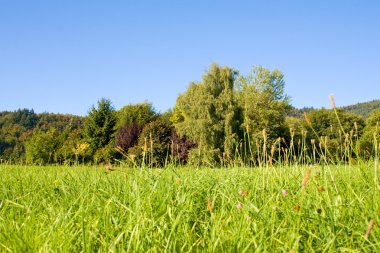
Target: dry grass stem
{"x":369,"y":228}
{"x":210,"y":206}
{"x":306,"y":178}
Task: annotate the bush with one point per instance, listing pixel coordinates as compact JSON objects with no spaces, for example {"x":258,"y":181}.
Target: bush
{"x":128,"y":136}
{"x":180,"y":147}
{"x":153,"y":147}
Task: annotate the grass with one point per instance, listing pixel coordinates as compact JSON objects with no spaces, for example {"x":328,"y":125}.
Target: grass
{"x":274,"y":209}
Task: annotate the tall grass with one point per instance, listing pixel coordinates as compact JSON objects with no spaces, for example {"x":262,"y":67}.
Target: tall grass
{"x":73,"y":209}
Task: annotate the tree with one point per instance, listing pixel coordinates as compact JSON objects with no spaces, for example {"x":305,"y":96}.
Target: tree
{"x":371,"y":134}
{"x":74,"y":148}
{"x":14,"y":127}
{"x":41,"y":148}
{"x":264,"y":104}
{"x":337,"y":132}
{"x":180,"y":147}
{"x":153,"y":147}
{"x":127,"y":136}
{"x":100,"y":125}
{"x":207,"y":114}
{"x":140,"y":114}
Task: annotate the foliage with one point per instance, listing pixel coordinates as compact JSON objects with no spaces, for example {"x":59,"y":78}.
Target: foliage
{"x":226,"y":109}
{"x":140,"y":114}
{"x":41,"y":147}
{"x":180,"y":147}
{"x":264,"y":106}
{"x":325,"y":123}
{"x":337,"y":132}
{"x":74,"y":148}
{"x":15,"y":128}
{"x":100,"y":124}
{"x":127,"y":136}
{"x":60,"y":122}
{"x":299,"y":112}
{"x":23,"y":117}
{"x":371,"y":134}
{"x":153,"y":147}
{"x":363,"y":109}
{"x":105,"y":154}
{"x":207,"y":113}
{"x":360,"y":109}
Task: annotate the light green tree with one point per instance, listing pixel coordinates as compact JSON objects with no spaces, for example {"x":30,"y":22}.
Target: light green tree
{"x":207,"y":113}
{"x":263,"y":102}
{"x":371,"y":134}
{"x":226,"y":111}
{"x":41,"y":147}
{"x":140,"y":114}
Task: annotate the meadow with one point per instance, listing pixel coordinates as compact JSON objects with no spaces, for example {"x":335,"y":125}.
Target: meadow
{"x":295,"y":208}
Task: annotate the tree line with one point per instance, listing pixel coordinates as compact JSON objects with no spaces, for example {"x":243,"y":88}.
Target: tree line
{"x":224,"y":119}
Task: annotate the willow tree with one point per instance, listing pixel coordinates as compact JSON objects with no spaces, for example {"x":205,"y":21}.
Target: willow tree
{"x":208,"y":114}
{"x":226,"y":113}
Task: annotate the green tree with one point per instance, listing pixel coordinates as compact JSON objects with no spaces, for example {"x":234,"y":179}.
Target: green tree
{"x":153,"y":147}
{"x":41,"y":147}
{"x":371,"y":134}
{"x":74,"y":148}
{"x":264,"y":104}
{"x":15,"y":128}
{"x":100,"y":124}
{"x":338,"y":132}
{"x":140,"y":114}
{"x":131,"y":121}
{"x":207,"y":113}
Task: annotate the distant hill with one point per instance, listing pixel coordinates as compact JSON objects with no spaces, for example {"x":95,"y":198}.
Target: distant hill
{"x":361,"y":109}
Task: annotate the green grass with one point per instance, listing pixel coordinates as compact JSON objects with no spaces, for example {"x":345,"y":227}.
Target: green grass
{"x":83,"y":209}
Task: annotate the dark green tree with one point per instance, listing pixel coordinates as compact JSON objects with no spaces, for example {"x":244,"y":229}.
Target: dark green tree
{"x":100,"y":124}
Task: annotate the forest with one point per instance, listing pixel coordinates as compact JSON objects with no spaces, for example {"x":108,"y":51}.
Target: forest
{"x":225,"y":119}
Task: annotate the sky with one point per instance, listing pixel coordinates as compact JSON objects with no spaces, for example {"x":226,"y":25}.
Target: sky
{"x":64,"y":56}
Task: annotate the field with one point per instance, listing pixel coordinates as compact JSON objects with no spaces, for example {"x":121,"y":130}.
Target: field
{"x":274,"y":209}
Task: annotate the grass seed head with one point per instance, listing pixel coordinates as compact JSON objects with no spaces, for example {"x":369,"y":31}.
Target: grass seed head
{"x":332,"y":101}
{"x":307,"y":118}
{"x":243,"y":193}
{"x":369,"y":228}
{"x":306,"y":178}
{"x":297,"y":208}
{"x":210,"y":205}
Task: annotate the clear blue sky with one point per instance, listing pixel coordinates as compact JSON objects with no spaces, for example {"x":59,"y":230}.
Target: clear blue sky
{"x":63,"y":56}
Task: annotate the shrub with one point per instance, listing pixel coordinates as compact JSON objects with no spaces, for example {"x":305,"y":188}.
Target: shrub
{"x":153,"y":145}
{"x":127,"y":136}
